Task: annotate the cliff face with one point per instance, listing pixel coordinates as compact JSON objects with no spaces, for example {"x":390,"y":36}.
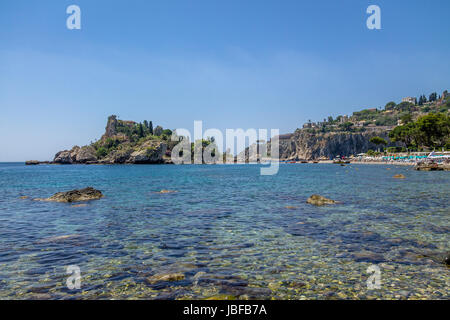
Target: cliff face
{"x":305,"y":145}
{"x":111,"y":127}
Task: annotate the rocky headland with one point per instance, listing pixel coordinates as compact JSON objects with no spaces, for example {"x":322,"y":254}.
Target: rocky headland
{"x":124,"y":142}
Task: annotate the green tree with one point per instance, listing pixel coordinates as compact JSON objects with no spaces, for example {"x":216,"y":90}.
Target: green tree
{"x":405,"y":134}
{"x":432,"y":130}
{"x":390,"y":105}
{"x":406,"y":118}
{"x":158,"y":131}
{"x":433,"y":97}
{"x":346,"y":126}
{"x":141,"y":130}
{"x":404,"y":106}
{"x":150,"y":127}
{"x":378,"y":141}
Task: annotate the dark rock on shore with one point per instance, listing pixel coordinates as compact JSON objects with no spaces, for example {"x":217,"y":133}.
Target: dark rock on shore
{"x":85,"y":194}
{"x":432,"y":167}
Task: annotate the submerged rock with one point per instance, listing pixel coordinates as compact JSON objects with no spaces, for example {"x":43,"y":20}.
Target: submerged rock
{"x":166,"y":191}
{"x":85,"y":194}
{"x":79,"y":205}
{"x":367,"y":256}
{"x":222,"y":297}
{"x":165,"y":277}
{"x":318,"y":200}
{"x":291,"y":207}
{"x":399,"y":176}
{"x":59,"y":238}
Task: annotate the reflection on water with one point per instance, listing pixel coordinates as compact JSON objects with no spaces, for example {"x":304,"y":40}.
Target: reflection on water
{"x":227,"y":232}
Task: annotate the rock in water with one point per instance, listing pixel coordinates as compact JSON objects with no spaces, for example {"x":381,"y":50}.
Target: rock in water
{"x":67,"y":156}
{"x":165,"y":277}
{"x":31,"y":162}
{"x":317,"y":200}
{"x":86,"y":154}
{"x":399,"y":176}
{"x":85,"y":194}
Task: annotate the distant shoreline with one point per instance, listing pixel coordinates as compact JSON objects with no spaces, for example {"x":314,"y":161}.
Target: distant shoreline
{"x":385,"y":163}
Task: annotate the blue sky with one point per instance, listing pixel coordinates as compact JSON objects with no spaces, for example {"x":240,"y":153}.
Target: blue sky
{"x":232,"y":64}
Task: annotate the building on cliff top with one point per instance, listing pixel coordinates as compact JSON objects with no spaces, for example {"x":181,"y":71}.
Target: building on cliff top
{"x":410,"y":100}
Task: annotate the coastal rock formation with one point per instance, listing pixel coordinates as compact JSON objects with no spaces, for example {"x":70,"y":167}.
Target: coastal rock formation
{"x":63,"y":157}
{"x":111,"y":126}
{"x":122,"y":142}
{"x":305,"y":145}
{"x":31,"y":162}
{"x":85,"y":154}
{"x":85,"y":194}
{"x":117,"y":156}
{"x":318,"y":200}
{"x":432,"y":167}
{"x":149,"y":152}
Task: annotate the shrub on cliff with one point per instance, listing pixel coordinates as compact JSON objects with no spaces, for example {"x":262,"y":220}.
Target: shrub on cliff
{"x":101,"y":152}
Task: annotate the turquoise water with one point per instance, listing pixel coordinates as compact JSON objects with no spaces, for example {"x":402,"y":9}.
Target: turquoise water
{"x":227,"y":229}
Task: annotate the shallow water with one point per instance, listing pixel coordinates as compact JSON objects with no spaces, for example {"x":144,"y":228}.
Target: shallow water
{"x":227,"y":229}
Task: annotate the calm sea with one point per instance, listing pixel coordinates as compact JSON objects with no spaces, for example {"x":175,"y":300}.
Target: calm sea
{"x":228,"y":230}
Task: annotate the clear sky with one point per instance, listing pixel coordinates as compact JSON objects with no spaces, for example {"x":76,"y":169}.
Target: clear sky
{"x":231,"y":63}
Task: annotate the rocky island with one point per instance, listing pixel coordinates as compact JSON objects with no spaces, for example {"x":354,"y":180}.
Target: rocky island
{"x":123,"y":142}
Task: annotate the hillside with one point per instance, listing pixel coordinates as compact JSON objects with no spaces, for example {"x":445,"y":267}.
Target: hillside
{"x":351,"y":135}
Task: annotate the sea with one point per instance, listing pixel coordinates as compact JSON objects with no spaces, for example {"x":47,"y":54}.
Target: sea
{"x":224,"y":231}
